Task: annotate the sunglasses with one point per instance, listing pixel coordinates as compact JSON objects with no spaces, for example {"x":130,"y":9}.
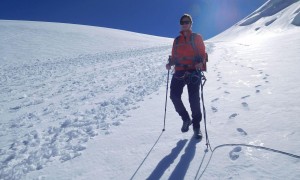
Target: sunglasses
{"x":184,"y":22}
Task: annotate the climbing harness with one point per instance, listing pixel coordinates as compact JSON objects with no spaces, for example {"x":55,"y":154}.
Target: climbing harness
{"x":190,"y":77}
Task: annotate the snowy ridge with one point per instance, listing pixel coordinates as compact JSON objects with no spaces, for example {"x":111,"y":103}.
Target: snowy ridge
{"x":271,"y":19}
{"x":267,"y":10}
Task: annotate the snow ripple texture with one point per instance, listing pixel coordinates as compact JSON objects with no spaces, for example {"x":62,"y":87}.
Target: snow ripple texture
{"x":79,"y":98}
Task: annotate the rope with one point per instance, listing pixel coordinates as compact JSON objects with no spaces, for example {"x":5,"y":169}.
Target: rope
{"x":246,"y":145}
{"x":206,"y":150}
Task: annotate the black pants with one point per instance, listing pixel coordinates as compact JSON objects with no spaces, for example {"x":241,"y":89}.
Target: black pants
{"x":193,"y":85}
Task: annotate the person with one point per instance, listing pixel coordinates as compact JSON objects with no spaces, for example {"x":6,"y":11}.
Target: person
{"x":188,"y":52}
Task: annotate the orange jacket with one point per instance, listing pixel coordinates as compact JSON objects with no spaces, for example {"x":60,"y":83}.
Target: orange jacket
{"x":183,"y":52}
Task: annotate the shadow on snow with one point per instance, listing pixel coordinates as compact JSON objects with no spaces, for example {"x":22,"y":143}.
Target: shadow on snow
{"x":182,"y":166}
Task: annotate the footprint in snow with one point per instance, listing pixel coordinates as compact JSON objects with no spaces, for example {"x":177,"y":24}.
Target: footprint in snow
{"x":226,"y":92}
{"x":16,"y":108}
{"x":233,"y":115}
{"x":214,"y":99}
{"x":245,"y":104}
{"x":233,"y":154}
{"x":117,"y":122}
{"x":257,"y":90}
{"x":244,"y":97}
{"x":214,"y":109}
{"x":266,"y":77}
{"x":242,"y":132}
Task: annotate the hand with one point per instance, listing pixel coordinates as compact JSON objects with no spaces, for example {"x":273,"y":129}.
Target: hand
{"x":199,"y":66}
{"x":168,"y":66}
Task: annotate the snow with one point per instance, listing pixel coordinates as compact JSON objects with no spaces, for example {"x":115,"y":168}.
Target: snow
{"x":81,"y":102}
{"x":273,"y":18}
{"x":29,"y":42}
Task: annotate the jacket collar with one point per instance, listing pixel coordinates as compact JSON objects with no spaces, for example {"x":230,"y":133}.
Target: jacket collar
{"x":189,"y":32}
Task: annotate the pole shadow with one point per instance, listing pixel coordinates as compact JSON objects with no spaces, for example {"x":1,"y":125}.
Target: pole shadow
{"x":165,"y":163}
{"x":185,"y":160}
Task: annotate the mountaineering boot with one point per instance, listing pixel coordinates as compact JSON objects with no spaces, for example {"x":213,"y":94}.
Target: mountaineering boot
{"x":197,"y":133}
{"x":185,"y":126}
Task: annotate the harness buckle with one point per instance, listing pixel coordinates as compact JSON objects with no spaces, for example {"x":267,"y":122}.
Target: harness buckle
{"x":186,"y":75}
{"x":185,"y":66}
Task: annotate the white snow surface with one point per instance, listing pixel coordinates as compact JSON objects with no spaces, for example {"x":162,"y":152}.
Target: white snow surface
{"x":80,"y":102}
{"x":274,"y":17}
{"x":26,"y":42}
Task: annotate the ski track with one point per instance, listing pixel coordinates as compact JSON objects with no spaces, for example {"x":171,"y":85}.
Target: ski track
{"x":79,"y":97}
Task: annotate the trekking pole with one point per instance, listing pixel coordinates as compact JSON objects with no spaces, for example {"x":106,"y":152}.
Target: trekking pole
{"x":166,"y":100}
{"x":204,"y":110}
{"x":166,"y":96}
{"x":202,"y":77}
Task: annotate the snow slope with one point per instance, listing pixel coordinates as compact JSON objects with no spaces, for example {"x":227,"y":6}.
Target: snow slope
{"x":98,"y":113}
{"x":275,"y":16}
{"x":29,"y":42}
{"x":51,"y":107}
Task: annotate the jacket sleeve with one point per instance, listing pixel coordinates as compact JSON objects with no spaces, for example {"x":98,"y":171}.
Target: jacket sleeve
{"x":172,"y":59}
{"x":200,"y":46}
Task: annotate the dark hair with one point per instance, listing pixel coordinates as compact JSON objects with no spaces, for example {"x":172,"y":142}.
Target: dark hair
{"x":187,"y":16}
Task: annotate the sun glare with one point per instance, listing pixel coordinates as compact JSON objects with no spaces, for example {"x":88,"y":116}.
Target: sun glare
{"x":215,"y":15}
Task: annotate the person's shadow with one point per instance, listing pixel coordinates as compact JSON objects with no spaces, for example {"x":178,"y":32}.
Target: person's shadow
{"x":165,"y":163}
{"x":182,"y":166}
{"x":185,"y":160}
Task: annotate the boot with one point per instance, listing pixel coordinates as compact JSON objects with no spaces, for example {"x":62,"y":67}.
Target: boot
{"x":185,"y":126}
{"x":197,"y":133}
